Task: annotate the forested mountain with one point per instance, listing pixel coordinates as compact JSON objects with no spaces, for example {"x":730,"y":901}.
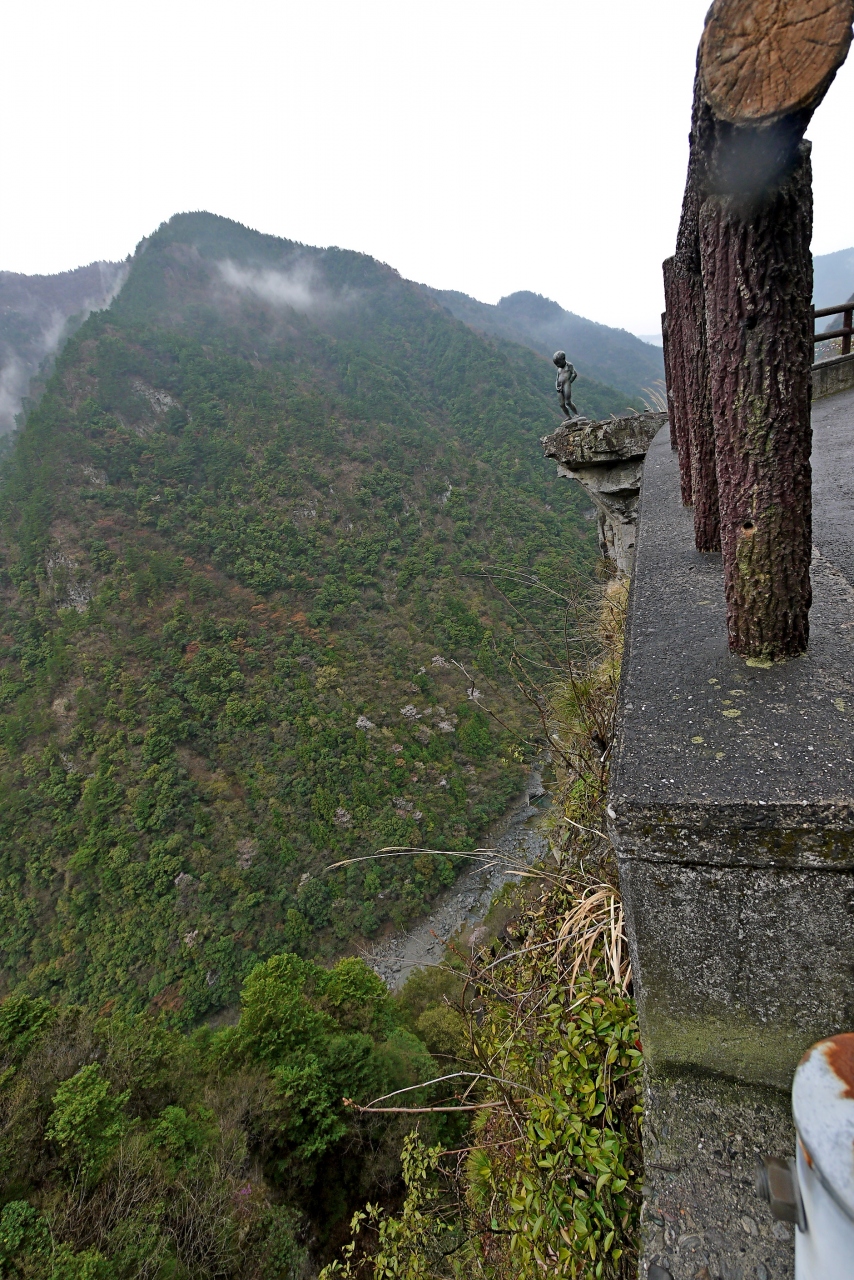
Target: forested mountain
{"x":34,"y":316}
{"x":614,"y":356}
{"x":35,"y":311}
{"x":267,"y":501}
{"x":37,"y":314}
{"x":268,"y":544}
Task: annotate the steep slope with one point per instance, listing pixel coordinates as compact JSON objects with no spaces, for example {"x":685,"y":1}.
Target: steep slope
{"x":267,"y":501}
{"x":34,"y":316}
{"x":612,"y":356}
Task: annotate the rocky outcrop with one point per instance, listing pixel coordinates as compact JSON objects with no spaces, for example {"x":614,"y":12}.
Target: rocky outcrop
{"x":607,"y":459}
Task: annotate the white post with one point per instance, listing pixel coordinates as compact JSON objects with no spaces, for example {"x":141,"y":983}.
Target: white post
{"x":823,"y":1109}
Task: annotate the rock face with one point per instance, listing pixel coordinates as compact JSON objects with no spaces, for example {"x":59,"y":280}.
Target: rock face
{"x":607,"y":459}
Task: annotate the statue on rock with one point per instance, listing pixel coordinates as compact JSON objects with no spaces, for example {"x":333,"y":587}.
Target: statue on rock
{"x":566,"y":375}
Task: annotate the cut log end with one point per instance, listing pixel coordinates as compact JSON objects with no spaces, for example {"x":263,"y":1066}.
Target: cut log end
{"x":761,"y":60}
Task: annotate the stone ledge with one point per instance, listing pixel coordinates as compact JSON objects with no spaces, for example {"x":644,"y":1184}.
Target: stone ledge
{"x":581,"y":443}
{"x":607,"y":459}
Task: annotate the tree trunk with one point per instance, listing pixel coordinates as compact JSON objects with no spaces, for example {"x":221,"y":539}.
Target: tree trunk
{"x":668,"y":380}
{"x":763,"y":60}
{"x":738,"y":307}
{"x":695,"y":356}
{"x":674,"y":372}
{"x":687,"y":330}
{"x":757,"y":275}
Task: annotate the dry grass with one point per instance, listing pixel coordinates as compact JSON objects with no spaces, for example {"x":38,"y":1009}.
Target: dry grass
{"x":593,"y":935}
{"x":655,"y":397}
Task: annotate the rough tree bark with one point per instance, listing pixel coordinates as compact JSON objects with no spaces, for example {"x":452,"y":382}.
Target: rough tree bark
{"x":762,"y":69}
{"x":674,"y":373}
{"x":683,"y":289}
{"x":757,"y":272}
{"x":665,"y":355}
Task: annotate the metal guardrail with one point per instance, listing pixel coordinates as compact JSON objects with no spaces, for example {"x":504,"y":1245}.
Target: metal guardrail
{"x":846,"y":309}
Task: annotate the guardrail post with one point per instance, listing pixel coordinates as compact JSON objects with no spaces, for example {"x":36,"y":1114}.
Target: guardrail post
{"x":816,"y":1190}
{"x":846,"y":309}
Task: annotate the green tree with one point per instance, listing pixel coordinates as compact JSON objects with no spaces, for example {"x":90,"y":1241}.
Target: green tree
{"x":88,"y":1120}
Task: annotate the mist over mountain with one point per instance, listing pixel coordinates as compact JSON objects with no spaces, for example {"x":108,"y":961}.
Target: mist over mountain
{"x":35,"y":312}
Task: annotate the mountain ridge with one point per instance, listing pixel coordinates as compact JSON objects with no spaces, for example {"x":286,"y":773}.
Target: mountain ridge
{"x":36,"y":312}
{"x":612,"y":356}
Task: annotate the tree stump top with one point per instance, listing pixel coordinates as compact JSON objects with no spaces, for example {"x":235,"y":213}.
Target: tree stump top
{"x":764,"y":59}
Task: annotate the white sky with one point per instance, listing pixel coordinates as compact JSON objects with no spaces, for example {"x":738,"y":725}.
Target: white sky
{"x":482,"y":146}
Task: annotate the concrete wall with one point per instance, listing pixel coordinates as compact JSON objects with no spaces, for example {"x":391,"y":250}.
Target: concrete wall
{"x":831,"y":376}
{"x":731,"y":808}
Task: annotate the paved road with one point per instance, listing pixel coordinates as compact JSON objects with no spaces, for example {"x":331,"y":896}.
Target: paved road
{"x":833,"y":480}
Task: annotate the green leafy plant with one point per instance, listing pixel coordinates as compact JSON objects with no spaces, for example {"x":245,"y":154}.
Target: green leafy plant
{"x":88,"y":1120}
{"x":132,"y":1149}
{"x":408,"y":1247}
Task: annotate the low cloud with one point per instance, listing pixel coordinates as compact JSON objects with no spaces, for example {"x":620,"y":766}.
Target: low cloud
{"x":14,"y":381}
{"x":18,"y":365}
{"x":297,"y":287}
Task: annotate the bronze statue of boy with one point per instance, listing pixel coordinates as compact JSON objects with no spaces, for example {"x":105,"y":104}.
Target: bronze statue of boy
{"x":566,"y":375}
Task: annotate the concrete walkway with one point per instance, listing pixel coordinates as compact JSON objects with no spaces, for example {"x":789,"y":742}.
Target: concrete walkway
{"x":833,"y":480}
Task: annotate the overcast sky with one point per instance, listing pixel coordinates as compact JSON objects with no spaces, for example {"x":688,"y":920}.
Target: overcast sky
{"x":474,"y":145}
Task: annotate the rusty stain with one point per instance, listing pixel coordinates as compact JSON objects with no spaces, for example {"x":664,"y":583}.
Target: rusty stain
{"x":839,"y":1052}
{"x":807,"y":1155}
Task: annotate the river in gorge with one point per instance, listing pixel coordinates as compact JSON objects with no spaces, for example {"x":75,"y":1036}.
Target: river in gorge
{"x":461,"y":908}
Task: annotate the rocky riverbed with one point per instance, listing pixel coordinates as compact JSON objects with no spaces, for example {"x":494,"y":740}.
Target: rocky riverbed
{"x":462,"y":907}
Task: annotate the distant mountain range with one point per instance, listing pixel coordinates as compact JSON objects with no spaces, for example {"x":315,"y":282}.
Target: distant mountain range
{"x":833,"y":277}
{"x":38,"y":313}
{"x":612,"y":356}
